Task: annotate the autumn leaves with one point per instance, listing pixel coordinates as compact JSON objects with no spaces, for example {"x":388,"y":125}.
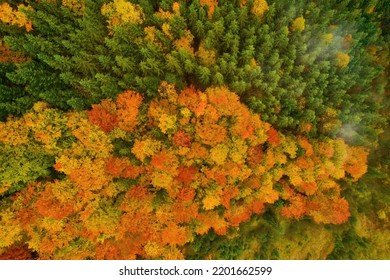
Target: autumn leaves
{"x":137,"y":180}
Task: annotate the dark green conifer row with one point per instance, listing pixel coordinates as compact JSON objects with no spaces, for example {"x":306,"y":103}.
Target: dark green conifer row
{"x":291,"y":77}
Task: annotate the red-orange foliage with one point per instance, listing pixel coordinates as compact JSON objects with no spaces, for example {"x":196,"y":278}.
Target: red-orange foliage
{"x":304,"y":143}
{"x":226,"y":102}
{"x":175,"y":234}
{"x":187,"y":174}
{"x":122,"y":168}
{"x":104,"y":115}
{"x":257,"y":206}
{"x":237,"y":214}
{"x":137,"y":198}
{"x":184,"y":211}
{"x":15,"y":252}
{"x":220,"y":178}
{"x":108,"y":250}
{"x":210,"y":134}
{"x":243,"y":127}
{"x":255,"y":156}
{"x":297,"y":207}
{"x":198,"y":151}
{"x":329,"y":210}
{"x":165,"y":161}
{"x":182,"y":138}
{"x":193,"y":99}
{"x":148,"y":199}
{"x":186,"y":194}
{"x":325,"y":149}
{"x":128,"y":104}
{"x":49,"y":206}
{"x":213,"y":220}
{"x":356,"y":162}
{"x":273,"y":137}
{"x":229,"y":193}
{"x":211,"y":6}
{"x":309,"y":188}
{"x":9,"y":56}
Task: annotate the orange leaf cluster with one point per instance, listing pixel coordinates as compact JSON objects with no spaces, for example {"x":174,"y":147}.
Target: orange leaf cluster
{"x":211,"y":6}
{"x":273,"y":137}
{"x":16,"y":253}
{"x":147,"y":199}
{"x":128,"y":105}
{"x":104,"y":115}
{"x":15,"y":17}
{"x":122,"y":168}
{"x":9,"y":56}
{"x":76,"y":6}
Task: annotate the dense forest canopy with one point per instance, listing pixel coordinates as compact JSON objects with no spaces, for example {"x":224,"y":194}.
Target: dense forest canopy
{"x":243,"y":129}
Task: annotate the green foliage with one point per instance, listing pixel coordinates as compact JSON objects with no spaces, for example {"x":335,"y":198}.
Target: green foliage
{"x":291,"y":78}
{"x":315,"y":68}
{"x":347,"y":245}
{"x":22,"y":165}
{"x":13,"y":98}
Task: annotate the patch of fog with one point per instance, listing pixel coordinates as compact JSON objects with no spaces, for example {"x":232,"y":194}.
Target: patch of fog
{"x":348,"y":132}
{"x":317,"y":49}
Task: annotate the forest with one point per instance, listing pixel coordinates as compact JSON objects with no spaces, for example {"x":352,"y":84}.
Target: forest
{"x":205,"y":129}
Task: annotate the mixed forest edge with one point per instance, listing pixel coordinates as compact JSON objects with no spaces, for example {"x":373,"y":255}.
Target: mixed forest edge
{"x":244,"y":129}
